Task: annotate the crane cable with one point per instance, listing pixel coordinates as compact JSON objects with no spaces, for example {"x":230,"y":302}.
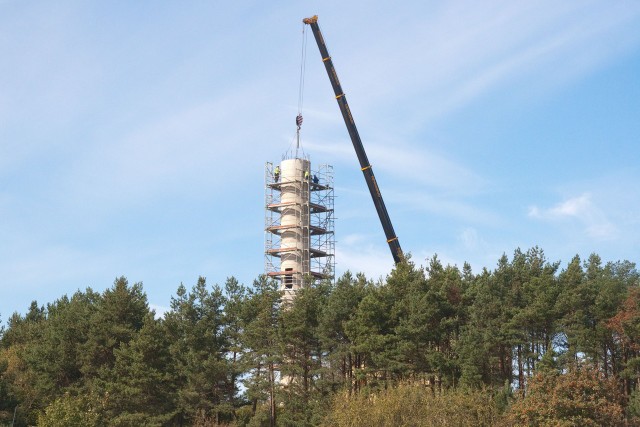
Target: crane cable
{"x":303,"y":60}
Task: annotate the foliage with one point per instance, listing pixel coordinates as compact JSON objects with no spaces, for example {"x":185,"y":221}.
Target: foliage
{"x":198,"y":346}
{"x":582,"y":396}
{"x":70,"y":411}
{"x":143,"y":379}
{"x":526,"y":342}
{"x":117,"y":316}
{"x":413,"y":405}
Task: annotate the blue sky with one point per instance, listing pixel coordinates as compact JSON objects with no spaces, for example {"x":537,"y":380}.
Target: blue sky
{"x":133,"y":135}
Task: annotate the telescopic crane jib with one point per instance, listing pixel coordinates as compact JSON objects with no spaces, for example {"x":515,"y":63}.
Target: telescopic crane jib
{"x":392,"y":239}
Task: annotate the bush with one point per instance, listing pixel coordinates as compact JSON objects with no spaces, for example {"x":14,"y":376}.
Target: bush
{"x":414,"y":405}
{"x":69,"y":411}
{"x":581,"y":397}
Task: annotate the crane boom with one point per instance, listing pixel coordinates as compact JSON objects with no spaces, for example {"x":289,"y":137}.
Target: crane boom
{"x":367,"y":170}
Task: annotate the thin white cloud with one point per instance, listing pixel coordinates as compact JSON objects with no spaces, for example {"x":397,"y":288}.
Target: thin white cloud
{"x":352,"y":239}
{"x":462,"y":50}
{"x":469,"y":238}
{"x":375,"y":263}
{"x":418,"y":166}
{"x":188,"y":150}
{"x":582,"y":209}
{"x":40,"y":263}
{"x":445,"y":206}
{"x":574,"y":207}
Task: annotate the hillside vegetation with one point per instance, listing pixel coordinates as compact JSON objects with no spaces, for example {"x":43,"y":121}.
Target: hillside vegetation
{"x":528,"y":343}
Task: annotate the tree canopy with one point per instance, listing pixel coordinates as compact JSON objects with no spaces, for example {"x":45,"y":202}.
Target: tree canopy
{"x":528,"y":343}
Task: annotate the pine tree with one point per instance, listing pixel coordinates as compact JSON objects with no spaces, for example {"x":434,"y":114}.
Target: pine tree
{"x":119,"y":315}
{"x":22,"y":333}
{"x":236,"y":295}
{"x":143,"y":379}
{"x":56,"y":358}
{"x":371,"y":331}
{"x":195,"y":326}
{"x":261,"y":341}
{"x":485,"y":343}
{"x":342,"y":359}
{"x":301,"y":367}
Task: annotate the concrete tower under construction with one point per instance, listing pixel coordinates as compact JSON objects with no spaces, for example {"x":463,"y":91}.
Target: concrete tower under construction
{"x":299,"y":229}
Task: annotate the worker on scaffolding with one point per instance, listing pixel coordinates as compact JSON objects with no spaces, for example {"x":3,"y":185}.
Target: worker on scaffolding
{"x":276,"y":174}
{"x":315,"y":179}
{"x":306,"y":175}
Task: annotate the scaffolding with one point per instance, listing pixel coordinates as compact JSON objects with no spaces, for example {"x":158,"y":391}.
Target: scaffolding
{"x":312,"y":211}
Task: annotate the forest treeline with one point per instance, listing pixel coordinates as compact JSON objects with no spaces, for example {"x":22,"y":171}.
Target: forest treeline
{"x":527,"y":343}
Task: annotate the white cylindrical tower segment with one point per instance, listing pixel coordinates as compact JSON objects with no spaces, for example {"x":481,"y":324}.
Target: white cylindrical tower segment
{"x":295,"y":222}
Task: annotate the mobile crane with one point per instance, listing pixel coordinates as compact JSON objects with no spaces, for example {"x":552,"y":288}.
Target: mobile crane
{"x":392,"y":239}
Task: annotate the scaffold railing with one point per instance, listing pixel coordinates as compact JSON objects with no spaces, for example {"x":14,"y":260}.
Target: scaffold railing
{"x":315,"y":224}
